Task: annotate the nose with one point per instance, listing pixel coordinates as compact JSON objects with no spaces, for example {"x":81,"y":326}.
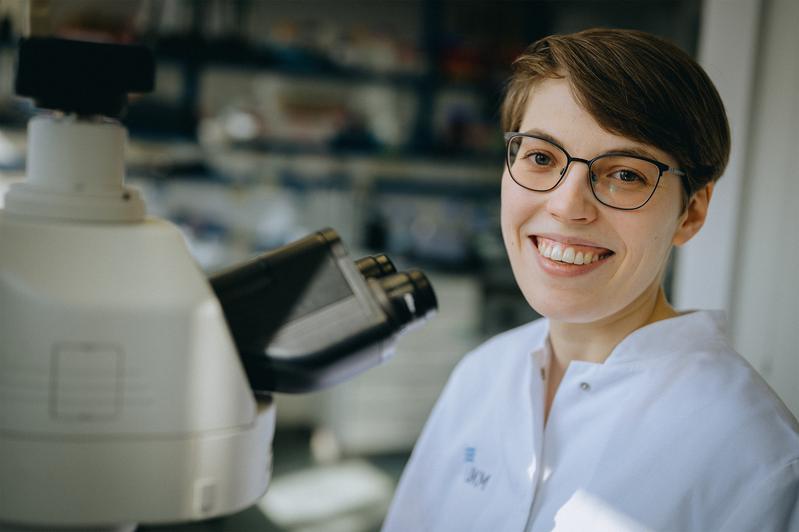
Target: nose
{"x":572,"y":200}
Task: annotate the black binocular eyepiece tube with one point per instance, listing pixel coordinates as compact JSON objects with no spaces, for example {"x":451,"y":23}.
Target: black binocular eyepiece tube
{"x":410,"y":295}
{"x":306,"y":316}
{"x":375,"y":266}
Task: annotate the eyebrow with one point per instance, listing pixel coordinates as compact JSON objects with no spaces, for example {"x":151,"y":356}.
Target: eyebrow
{"x":628,"y":150}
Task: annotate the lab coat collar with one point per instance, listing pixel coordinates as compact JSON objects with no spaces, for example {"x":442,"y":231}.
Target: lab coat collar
{"x":688,"y":332}
{"x":539,"y":346}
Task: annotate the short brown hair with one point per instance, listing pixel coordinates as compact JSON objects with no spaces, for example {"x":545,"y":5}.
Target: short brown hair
{"x":636,"y":85}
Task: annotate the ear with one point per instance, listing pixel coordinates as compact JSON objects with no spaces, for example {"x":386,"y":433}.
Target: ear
{"x":692,"y":220}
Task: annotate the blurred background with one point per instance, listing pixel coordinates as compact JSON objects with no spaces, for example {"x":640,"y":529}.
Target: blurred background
{"x":272,"y":119}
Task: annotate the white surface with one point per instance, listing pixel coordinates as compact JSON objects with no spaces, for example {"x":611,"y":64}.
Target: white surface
{"x":122,"y":397}
{"x":132,"y":288}
{"x":673,"y":432}
{"x":728,"y":41}
{"x":164,"y":428}
{"x":75,"y":171}
{"x":744,"y":259}
{"x":323,"y":494}
{"x":765,"y":320}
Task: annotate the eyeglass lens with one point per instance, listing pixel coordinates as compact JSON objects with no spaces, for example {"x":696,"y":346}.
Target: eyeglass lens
{"x":619,"y":181}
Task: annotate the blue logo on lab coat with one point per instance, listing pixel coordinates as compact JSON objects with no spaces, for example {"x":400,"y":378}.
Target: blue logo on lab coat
{"x":469,"y":454}
{"x":474,"y":476}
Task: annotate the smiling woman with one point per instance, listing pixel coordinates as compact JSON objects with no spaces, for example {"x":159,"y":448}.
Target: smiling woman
{"x":635,"y":243}
{"x":615,"y":411}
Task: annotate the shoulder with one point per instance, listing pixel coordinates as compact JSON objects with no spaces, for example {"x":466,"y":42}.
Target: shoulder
{"x":718,"y":390}
{"x":729,"y":385}
{"x":746,"y":407}
{"x":689,"y":381}
{"x":751,"y":441}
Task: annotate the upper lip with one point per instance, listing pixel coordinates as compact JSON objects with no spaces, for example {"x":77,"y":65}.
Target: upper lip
{"x":575,"y":241}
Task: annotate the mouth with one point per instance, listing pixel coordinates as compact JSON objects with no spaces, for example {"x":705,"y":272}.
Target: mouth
{"x":569,"y":253}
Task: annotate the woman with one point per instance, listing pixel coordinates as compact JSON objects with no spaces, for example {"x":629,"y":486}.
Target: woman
{"x":615,"y":411}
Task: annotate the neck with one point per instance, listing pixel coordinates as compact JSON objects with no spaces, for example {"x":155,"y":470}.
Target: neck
{"x":593,"y":342}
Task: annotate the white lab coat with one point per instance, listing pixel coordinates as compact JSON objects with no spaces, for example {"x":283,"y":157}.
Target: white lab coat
{"x":674,"y":432}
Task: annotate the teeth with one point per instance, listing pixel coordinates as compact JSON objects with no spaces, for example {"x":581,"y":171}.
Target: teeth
{"x":568,"y":255}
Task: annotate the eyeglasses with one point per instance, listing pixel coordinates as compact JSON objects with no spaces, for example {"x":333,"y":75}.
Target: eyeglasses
{"x":618,"y":180}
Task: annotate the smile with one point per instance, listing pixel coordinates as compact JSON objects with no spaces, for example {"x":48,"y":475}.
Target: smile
{"x":568,"y":253}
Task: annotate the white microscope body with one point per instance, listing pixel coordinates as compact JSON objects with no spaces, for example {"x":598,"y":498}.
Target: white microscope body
{"x":128,"y":381}
{"x":122,"y":397}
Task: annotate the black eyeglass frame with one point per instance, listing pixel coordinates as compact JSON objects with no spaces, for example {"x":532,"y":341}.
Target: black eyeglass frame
{"x":662,"y":168}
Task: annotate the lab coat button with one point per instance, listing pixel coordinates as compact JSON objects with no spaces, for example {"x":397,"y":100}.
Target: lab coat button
{"x":585,"y":386}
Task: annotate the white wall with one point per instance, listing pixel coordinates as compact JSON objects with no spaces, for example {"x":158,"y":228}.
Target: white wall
{"x":765,"y":295}
{"x":728,"y":43}
{"x":746,"y":259}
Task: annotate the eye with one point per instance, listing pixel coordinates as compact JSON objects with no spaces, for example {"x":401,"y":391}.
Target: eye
{"x":628,"y":176}
{"x":539,"y":158}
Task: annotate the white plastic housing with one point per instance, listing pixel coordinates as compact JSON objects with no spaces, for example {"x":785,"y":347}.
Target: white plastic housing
{"x":122,"y":398}
{"x":76,"y":171}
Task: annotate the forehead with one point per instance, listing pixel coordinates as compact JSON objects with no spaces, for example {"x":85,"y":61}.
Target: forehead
{"x":552,"y":108}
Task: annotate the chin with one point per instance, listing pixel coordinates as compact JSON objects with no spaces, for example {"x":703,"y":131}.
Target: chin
{"x":554,"y":308}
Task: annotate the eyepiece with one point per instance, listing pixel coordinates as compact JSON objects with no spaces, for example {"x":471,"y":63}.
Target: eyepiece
{"x":410,"y":295}
{"x":306,"y":316}
{"x":375,"y":266}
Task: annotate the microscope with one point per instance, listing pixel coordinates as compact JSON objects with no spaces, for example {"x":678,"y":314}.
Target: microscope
{"x":133,"y":388}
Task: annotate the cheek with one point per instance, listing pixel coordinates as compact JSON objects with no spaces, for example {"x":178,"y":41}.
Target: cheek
{"x":649,"y":236}
{"x":508,"y":215}
{"x":516,"y":208}
{"x":648,"y":250}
